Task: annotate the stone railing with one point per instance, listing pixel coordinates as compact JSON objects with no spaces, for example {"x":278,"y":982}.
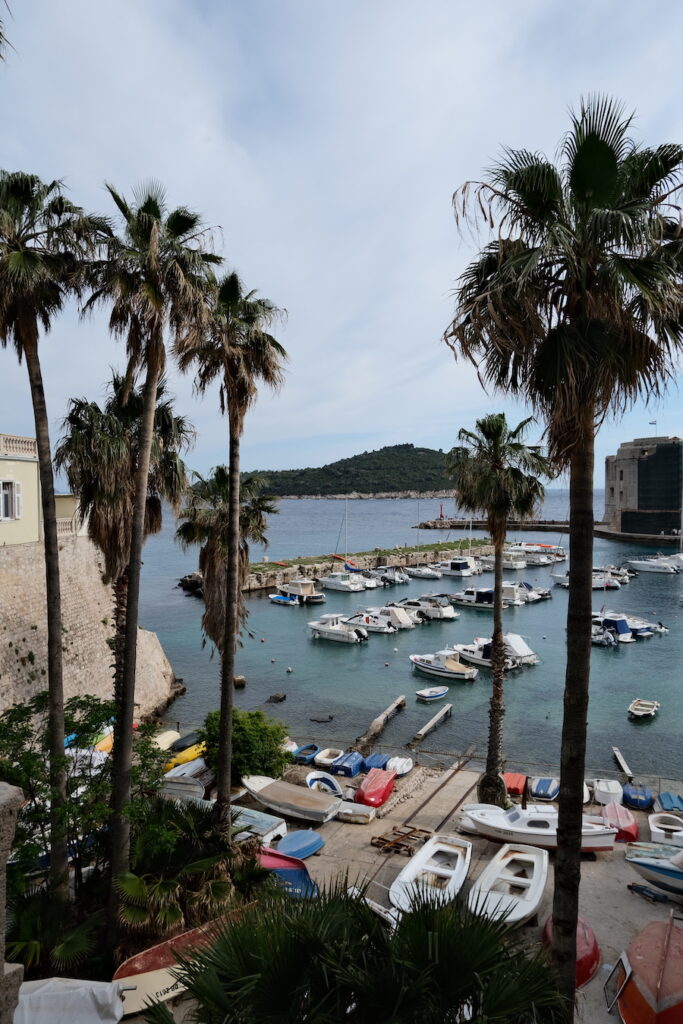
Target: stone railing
{"x":19,"y":447}
{"x":11,"y":975}
{"x":68,"y":527}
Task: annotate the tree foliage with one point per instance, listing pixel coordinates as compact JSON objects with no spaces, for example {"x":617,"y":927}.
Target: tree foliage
{"x":256,"y":746}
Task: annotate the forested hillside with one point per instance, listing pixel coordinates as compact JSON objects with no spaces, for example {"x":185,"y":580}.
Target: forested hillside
{"x":401,"y":467}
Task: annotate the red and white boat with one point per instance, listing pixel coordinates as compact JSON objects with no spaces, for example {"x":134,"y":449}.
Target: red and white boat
{"x":587,"y":950}
{"x":619,"y":817}
{"x":376,"y":787}
{"x":646,"y":983}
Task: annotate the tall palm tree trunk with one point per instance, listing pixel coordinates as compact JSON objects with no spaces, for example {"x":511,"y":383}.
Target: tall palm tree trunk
{"x":577,"y":677}
{"x":122,"y":754}
{"x":491,"y":787}
{"x":59,"y":867}
{"x":120,"y":590}
{"x":223,"y":774}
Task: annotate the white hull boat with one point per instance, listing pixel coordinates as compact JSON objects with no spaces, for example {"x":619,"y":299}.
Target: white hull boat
{"x":640,"y":628}
{"x":479,"y":653}
{"x":617,"y":625}
{"x":422,"y":572}
{"x":335,"y":627}
{"x":640,"y":708}
{"x":394,"y":616}
{"x":371,"y":622}
{"x":341,"y":581}
{"x":511,"y":886}
{"x":607,"y":791}
{"x":600,"y":581}
{"x":401,"y":765}
{"x":303,"y":590}
{"x":455,"y":567}
{"x":355,"y":814}
{"x":432,"y":693}
{"x":445,"y":664}
{"x":654,"y":565}
{"x":518,"y":595}
{"x":293,"y":801}
{"x":537,"y":828}
{"x":438,"y":869}
{"x":481,"y":600}
{"x":430,"y":607}
{"x":602,"y":637}
{"x":660,"y":865}
{"x":666,"y":829}
{"x":323,"y":782}
{"x":326,"y":757}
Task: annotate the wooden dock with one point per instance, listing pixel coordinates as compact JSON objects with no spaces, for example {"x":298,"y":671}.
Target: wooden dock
{"x":377,"y":725}
{"x":443,"y":713}
{"x":619,"y":758}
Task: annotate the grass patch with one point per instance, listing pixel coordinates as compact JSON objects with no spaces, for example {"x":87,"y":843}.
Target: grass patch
{"x":383,"y":554}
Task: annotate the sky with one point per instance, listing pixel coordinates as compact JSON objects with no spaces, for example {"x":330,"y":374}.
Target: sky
{"x":322,"y":141}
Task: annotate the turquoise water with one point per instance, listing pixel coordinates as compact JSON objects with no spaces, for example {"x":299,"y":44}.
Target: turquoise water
{"x":354,"y":683}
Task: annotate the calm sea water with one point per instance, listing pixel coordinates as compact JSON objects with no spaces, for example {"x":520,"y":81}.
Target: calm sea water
{"x":354,"y":683}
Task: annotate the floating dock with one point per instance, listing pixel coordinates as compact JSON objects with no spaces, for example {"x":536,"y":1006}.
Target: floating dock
{"x":443,"y":713}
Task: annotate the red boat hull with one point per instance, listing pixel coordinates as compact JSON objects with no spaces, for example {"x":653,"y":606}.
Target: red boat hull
{"x":654,"y":992}
{"x":375,"y":788}
{"x":587,"y":950}
{"x":621,"y":818}
{"x":514,"y":783}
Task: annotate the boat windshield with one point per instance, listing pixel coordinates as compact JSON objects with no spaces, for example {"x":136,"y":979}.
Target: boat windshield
{"x":513,"y":815}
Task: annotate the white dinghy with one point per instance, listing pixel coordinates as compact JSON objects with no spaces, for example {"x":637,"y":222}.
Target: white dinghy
{"x":438,"y":869}
{"x":666,"y":828}
{"x":324,"y":783}
{"x":511,"y":886}
{"x":538,"y":827}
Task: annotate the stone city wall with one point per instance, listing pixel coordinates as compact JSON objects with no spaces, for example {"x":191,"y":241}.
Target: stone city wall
{"x":87,"y":615}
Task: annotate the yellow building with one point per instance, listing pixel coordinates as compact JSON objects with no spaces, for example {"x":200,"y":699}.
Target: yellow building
{"x":20,"y":509}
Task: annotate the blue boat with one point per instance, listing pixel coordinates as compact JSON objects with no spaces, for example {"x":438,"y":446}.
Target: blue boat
{"x":638,"y":797}
{"x":544,"y":788}
{"x":289,"y":599}
{"x":375,"y":761}
{"x":306,"y":753}
{"x":291,"y":872}
{"x":670,"y":802}
{"x":348,"y":765}
{"x":301,"y":843}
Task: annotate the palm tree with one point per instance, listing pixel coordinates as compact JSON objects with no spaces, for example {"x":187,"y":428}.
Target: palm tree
{"x":235,"y":349}
{"x":154,"y":275}
{"x":576,"y":306}
{"x":44,"y":240}
{"x":332,"y":959}
{"x":99,"y":453}
{"x":493,"y":471}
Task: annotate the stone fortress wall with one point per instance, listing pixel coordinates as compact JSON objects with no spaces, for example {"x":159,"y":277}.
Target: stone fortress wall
{"x":87,"y":613}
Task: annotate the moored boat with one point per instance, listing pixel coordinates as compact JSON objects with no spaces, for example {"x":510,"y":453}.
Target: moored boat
{"x":432,"y":693}
{"x":295,"y":801}
{"x":640,"y":708}
{"x":334,"y":627}
{"x":422,"y":572}
{"x":511,"y":886}
{"x":429,"y":606}
{"x":303,"y":590}
{"x":371,"y":621}
{"x":437,"y":869}
{"x":666,"y":828}
{"x":288,"y":600}
{"x":341,"y":581}
{"x":445,"y":664}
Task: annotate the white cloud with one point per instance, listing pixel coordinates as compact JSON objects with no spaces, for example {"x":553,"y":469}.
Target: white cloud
{"x":325,"y":140}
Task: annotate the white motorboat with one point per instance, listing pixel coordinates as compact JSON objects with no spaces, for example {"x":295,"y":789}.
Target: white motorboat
{"x":600,"y":581}
{"x":538,"y":827}
{"x":397,"y":617}
{"x":640,"y":708}
{"x":304,"y":591}
{"x":341,"y":581}
{"x":324,"y":758}
{"x":389,"y":575}
{"x":423,"y":572}
{"x":511,"y":886}
{"x":553,"y":552}
{"x":480,"y":653}
{"x":324,"y":783}
{"x":514,"y":561}
{"x":445,"y":664}
{"x":520,"y":593}
{"x":518,"y":649}
{"x":660,"y":865}
{"x":616,"y":623}
{"x":601,"y":637}
{"x":437,"y":870}
{"x":640,"y":628}
{"x":465,"y":823}
{"x":455,"y":567}
{"x":295,"y":801}
{"x":430,"y":606}
{"x":401,"y":765}
{"x":666,"y":828}
{"x":480,"y":599}
{"x":414,"y":614}
{"x":373,"y":623}
{"x":334,"y":627}
{"x":607,"y":791}
{"x":368,"y":581}
{"x":617,"y":572}
{"x":287,"y":600}
{"x":656,"y":563}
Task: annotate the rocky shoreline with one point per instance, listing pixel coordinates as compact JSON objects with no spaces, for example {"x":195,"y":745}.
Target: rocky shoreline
{"x":358,"y":495}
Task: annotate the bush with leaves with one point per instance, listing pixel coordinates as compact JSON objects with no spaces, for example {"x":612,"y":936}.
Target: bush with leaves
{"x":256,"y":743}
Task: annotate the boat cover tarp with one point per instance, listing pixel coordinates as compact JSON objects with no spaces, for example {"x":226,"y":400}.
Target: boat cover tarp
{"x":69,"y":1001}
{"x":301,"y":843}
{"x":517,"y":646}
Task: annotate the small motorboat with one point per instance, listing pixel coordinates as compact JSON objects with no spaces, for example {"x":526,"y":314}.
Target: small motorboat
{"x":480,"y":653}
{"x":638,"y":797}
{"x":294,"y":801}
{"x":534,"y":591}
{"x":324,"y":758}
{"x":544,"y":788}
{"x":301,"y":843}
{"x":394,"y":616}
{"x":438,"y":869}
{"x":602,"y":637}
{"x":303,"y":590}
{"x":666,"y":828}
{"x":616,"y":624}
{"x":371,"y":621}
{"x":646,"y":983}
{"x":341,"y":581}
{"x":374,"y":761}
{"x":511,"y":886}
{"x":355,"y":814}
{"x":661,"y":865}
{"x":422,"y":572}
{"x":607,"y":791}
{"x":376,"y":788}
{"x":619,"y":817}
{"x":481,"y":599}
{"x":640,"y":708}
{"x":284,"y":599}
{"x":401,"y":765}
{"x":430,"y":606}
{"x":432,"y":693}
{"x":670,"y":802}
{"x":445,"y":664}
{"x":654,"y":564}
{"x":587,"y":950}
{"x":535,"y":825}
{"x":455,"y":567}
{"x":349,"y":765}
{"x":306,"y":754}
{"x":334,"y":627}
{"x":324,"y":783}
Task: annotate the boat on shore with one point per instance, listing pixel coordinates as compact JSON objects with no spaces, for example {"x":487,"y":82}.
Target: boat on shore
{"x":324,"y":783}
{"x":646,"y":983}
{"x":511,"y":886}
{"x":666,"y":828}
{"x":662,"y":866}
{"x":536,"y":826}
{"x":438,"y":869}
{"x":287,"y":799}
{"x":587,"y":950}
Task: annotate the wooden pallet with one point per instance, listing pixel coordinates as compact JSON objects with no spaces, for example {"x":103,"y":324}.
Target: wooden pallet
{"x":402,"y":839}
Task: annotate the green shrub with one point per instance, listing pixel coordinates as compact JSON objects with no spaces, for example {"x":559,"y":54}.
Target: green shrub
{"x":256,"y":743}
